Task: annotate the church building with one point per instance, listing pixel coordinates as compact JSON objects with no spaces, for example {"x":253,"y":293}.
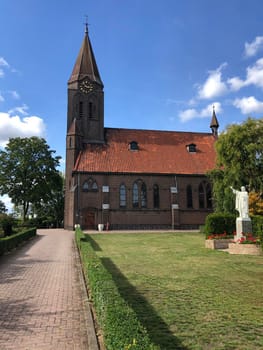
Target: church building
{"x":130,"y":178}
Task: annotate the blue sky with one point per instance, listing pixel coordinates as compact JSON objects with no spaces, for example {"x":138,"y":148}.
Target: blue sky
{"x":164,"y":63}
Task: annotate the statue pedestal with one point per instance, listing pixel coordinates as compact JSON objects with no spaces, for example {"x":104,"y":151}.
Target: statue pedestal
{"x":243,"y":226}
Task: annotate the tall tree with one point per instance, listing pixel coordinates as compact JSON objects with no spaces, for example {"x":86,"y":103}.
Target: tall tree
{"x":28,"y":171}
{"x":239,"y":162}
{"x":52,"y":211}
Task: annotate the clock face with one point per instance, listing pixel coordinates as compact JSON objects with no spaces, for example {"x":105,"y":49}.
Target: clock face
{"x":86,"y":86}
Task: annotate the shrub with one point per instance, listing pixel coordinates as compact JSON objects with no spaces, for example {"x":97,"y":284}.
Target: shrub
{"x":11,"y":242}
{"x":257,"y":227}
{"x":219,"y":223}
{"x":6,"y":223}
{"x":119,"y":323}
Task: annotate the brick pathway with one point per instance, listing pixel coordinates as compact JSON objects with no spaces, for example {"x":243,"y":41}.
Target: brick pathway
{"x":43,"y":304}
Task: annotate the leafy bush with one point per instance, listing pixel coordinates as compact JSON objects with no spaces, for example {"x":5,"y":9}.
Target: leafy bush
{"x":9,"y":243}
{"x":219,"y":223}
{"x":6,"y":223}
{"x":119,"y":323}
{"x":257,"y":227}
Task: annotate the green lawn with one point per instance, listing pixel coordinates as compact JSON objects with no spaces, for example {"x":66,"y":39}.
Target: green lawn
{"x":187,"y":296}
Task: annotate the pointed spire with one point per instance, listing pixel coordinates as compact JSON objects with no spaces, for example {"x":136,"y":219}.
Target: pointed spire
{"x":214,"y":125}
{"x":86,"y":66}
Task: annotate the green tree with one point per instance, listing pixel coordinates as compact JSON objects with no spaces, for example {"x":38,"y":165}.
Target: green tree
{"x":52,"y":211}
{"x":239,"y":162}
{"x":28,"y":172}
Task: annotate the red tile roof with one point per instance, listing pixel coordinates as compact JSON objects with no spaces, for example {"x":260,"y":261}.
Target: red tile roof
{"x":159,"y":152}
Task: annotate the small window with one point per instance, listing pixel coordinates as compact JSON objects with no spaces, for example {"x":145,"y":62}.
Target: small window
{"x":191,"y":148}
{"x":133,"y":146}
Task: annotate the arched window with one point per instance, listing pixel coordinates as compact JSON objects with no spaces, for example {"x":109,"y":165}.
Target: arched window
{"x":156,"y":196}
{"x":90,"y":185}
{"x":135,"y":195}
{"x":205,"y":195}
{"x":143,"y":195}
{"x":85,"y":186}
{"x":139,"y":195}
{"x":94,"y":186}
{"x":122,"y":196}
{"x":189,"y":197}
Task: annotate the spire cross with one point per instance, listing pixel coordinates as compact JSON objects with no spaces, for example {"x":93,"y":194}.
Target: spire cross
{"x":86,"y":25}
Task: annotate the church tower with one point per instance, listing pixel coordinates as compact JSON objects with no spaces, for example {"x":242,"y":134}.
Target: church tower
{"x":85,"y":118}
{"x":85,"y":95}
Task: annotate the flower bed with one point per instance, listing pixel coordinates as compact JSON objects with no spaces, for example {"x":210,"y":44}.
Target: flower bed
{"x":218,"y":241}
{"x":248,"y":248}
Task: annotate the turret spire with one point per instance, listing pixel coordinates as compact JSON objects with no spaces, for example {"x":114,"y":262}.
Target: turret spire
{"x":214,"y":125}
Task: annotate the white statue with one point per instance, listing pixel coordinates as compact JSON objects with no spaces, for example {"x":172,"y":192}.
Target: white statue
{"x":241,"y":202}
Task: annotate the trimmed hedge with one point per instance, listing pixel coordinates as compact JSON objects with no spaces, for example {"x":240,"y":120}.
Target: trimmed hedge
{"x":218,"y":223}
{"x":119,"y":323}
{"x":11,"y":242}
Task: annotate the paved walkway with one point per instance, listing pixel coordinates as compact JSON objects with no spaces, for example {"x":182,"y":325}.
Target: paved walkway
{"x":43,"y":302}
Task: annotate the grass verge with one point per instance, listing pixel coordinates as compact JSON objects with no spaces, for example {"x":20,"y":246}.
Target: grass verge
{"x":186,"y":296}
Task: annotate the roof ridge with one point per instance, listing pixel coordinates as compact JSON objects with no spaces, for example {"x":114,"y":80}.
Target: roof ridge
{"x":161,"y":131}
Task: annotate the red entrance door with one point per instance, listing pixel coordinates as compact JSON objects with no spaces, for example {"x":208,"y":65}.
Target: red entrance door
{"x":90,"y":220}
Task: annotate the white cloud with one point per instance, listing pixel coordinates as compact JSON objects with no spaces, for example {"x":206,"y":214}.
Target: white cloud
{"x":3,"y":62}
{"x":188,"y":114}
{"x":213,"y":86}
{"x":1,"y":98}
{"x":21,"y":109}
{"x":251,"y":49}
{"x":206,"y":112}
{"x":236,"y":83}
{"x":248,"y":105}
{"x":14,"y":94}
{"x":255,"y":74}
{"x":14,"y":126}
{"x":254,"y":77}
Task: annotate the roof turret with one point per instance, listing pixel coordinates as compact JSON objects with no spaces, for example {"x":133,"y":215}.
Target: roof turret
{"x":214,"y":125}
